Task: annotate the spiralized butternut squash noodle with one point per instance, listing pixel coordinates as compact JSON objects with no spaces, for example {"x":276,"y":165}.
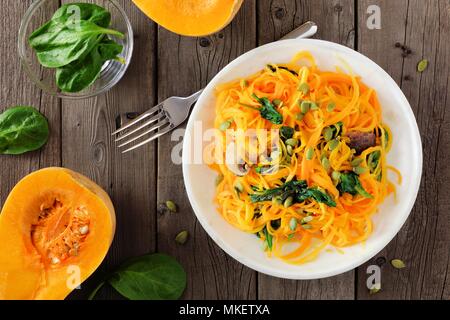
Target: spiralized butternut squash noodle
{"x":323,"y":171}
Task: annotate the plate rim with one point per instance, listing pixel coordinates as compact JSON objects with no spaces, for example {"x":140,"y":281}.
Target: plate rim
{"x":257,"y":266}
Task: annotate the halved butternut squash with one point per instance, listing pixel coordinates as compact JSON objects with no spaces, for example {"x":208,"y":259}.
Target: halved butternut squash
{"x":55,"y":229}
{"x":191,"y":17}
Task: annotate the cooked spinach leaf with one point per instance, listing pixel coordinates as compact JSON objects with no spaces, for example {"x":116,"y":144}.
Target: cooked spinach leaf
{"x":22,"y":129}
{"x":269,"y":239}
{"x":287,"y":133}
{"x":268,"y":110}
{"x":373,"y":160}
{"x":298,"y":190}
{"x":150,"y":277}
{"x":349,"y":183}
{"x":273,"y":69}
{"x":275,"y":224}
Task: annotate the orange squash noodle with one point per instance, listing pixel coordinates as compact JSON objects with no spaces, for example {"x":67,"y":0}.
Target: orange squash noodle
{"x":326,"y":110}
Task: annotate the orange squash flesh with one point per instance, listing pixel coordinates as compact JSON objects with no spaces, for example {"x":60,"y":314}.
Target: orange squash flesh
{"x":191,"y":17}
{"x":55,"y":228}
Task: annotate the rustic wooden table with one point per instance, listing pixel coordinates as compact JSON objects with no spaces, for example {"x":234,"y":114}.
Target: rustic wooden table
{"x":165,"y":64}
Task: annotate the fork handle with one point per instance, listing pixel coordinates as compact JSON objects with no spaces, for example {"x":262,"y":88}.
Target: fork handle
{"x":193,"y":98}
{"x":306,"y":30}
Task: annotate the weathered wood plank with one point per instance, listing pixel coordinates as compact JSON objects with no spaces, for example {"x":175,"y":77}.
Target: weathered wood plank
{"x":336,"y":23}
{"x":335,"y":19}
{"x":186,"y":65}
{"x":424,"y":242}
{"x":87,"y":146}
{"x":17,"y":89}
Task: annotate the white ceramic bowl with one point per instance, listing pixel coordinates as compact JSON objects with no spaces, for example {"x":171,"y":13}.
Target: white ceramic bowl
{"x":406,"y":155}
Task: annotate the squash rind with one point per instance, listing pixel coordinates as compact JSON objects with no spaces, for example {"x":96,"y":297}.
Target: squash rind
{"x":193,"y":18}
{"x":24,"y":272}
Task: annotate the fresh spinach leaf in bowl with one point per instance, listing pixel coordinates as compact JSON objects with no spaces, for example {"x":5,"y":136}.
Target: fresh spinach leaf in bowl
{"x":22,"y":129}
{"x":75,"y":76}
{"x":76,"y":42}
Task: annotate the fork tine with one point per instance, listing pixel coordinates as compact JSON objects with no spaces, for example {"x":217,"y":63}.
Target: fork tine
{"x":158,"y":117}
{"x":138,"y":119}
{"x":153,"y":128}
{"x":155,"y":136}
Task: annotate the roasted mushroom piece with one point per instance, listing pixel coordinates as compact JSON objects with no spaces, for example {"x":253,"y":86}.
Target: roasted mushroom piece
{"x":361,"y":141}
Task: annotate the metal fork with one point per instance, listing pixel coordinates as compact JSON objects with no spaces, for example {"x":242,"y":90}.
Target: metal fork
{"x":173,"y":111}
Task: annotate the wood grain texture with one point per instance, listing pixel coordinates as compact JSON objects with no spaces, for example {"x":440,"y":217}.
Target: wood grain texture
{"x":423,"y":243}
{"x":17,"y":89}
{"x":88,"y":148}
{"x":335,"y":20}
{"x":186,"y":65}
{"x":165,"y":64}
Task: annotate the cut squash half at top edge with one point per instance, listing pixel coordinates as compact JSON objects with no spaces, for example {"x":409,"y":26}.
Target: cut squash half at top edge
{"x":56,"y":228}
{"x":191,"y":17}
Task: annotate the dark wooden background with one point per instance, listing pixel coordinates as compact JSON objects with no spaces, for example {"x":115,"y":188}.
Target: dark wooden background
{"x":165,"y":64}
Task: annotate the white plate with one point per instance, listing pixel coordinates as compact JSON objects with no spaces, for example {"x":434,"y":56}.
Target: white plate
{"x":406,"y":155}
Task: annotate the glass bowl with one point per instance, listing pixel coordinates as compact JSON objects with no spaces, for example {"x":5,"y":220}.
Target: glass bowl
{"x":40,"y":12}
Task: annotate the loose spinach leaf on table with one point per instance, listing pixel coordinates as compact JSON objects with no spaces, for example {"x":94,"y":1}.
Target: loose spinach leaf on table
{"x":268,"y":110}
{"x":80,"y":74}
{"x":299,"y":192}
{"x":150,"y":277}
{"x":22,"y":129}
{"x":349,"y":183}
{"x":57,"y":44}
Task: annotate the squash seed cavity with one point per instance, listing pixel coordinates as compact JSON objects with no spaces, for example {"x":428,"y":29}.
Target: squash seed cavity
{"x":59,"y":231}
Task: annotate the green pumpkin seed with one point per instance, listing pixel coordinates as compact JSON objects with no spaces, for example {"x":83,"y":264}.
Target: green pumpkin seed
{"x":171,"y":206}
{"x":293,"y":224}
{"x":300,"y":116}
{"x":305,"y":107}
{"x":309,"y":153}
{"x":289,"y":150}
{"x":336,"y":176}
{"x":398,"y":264}
{"x":326,"y":164}
{"x":307,"y":219}
{"x":288,"y":159}
{"x":327,"y":134}
{"x":182,"y":237}
{"x":277,"y":102}
{"x":277,"y":200}
{"x":239,"y":187}
{"x":375,"y":288}
{"x":288,"y":202}
{"x":422,"y":66}
{"x":225,"y":126}
{"x":219,"y":179}
{"x":356,"y":162}
{"x":304,"y":88}
{"x":333,"y":144}
{"x":292,"y":142}
{"x":291,"y":236}
{"x":314,"y":106}
{"x":359,"y":170}
{"x":331,"y":106}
